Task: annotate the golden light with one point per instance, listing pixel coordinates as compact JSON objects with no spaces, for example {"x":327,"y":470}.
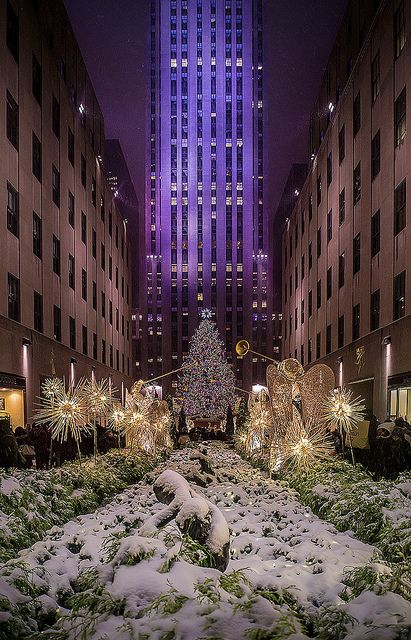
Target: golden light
{"x":342,"y":411}
{"x":303,"y":446}
{"x":65,"y":411}
{"x":242,"y":347}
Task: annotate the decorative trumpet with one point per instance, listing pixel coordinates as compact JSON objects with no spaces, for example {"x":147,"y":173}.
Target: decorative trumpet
{"x":243,"y":347}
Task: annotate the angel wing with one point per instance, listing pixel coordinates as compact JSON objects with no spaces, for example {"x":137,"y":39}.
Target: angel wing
{"x":315,"y":386}
{"x":280,"y":389}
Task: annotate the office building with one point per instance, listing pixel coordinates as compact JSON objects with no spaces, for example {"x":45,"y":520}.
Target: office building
{"x":65,"y":283}
{"x":346,"y":248}
{"x":206,"y":230}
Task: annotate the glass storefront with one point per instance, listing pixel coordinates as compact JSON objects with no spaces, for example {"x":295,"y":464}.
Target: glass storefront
{"x":399,"y":396}
{"x":12,"y":400}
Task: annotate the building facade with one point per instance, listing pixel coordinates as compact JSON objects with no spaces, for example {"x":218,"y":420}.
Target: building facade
{"x":65,"y":284}
{"x":346,"y":253}
{"x":118,"y":176}
{"x":206,"y":235}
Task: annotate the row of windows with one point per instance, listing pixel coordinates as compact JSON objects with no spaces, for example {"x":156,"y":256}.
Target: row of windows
{"x":398,"y":311}
{"x":14,"y":314}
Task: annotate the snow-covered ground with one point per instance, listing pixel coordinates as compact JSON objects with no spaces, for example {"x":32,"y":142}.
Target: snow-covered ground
{"x":286,"y":577}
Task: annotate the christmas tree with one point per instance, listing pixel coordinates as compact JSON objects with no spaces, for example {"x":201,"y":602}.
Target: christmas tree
{"x":207,"y":382}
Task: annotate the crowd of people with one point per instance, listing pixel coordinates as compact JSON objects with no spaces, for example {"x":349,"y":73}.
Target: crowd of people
{"x":32,"y":446}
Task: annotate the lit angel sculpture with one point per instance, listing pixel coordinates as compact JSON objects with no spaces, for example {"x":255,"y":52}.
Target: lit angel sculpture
{"x":293,"y":390}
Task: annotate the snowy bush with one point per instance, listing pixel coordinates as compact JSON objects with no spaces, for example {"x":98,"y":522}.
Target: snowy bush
{"x":31,"y":502}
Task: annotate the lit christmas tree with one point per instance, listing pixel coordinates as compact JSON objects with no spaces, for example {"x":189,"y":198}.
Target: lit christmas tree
{"x":207,"y":384}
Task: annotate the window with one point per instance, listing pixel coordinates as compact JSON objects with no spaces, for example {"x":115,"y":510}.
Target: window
{"x":341,"y":207}
{"x":95,"y":346}
{"x":375,"y":155}
{"x":12,"y":210}
{"x":356,"y":254}
{"x":328,"y":339}
{"x":103,"y":257}
{"x":310,"y":303}
{"x":357,"y":183}
{"x":83,"y":171}
{"x":84,"y":284}
{"x":302,"y":267}
{"x":375,"y":310}
{"x":71,"y":209}
{"x":400,"y":212}
{"x":302,"y":312}
{"x":329,"y":168}
{"x":84,"y":340}
{"x":341,"y":270}
{"x":57,"y":323}
{"x":110,"y":312}
{"x":375,"y":233}
{"x":94,"y":243}
{"x":37,"y":312}
{"x":318,"y":190}
{"x":302,"y":354}
{"x":70,"y":146}
{"x":36,"y":157}
{"x":399,"y":296}
{"x":399,"y":29}
{"x":329,"y":225}
{"x":56,"y":255}
{"x":340,"y":332}
{"x":356,"y":114}
{"x":400,"y":122}
{"x":55,"y":117}
{"x":83,"y":227}
{"x":310,"y":256}
{"x":12,"y":120}
{"x":94,"y":293}
{"x":375,"y":77}
{"x":13,"y":298}
{"x":12,"y":32}
{"x":341,"y":144}
{"x":310,"y":208}
{"x":318,"y":242}
{"x":36,"y":83}
{"x":37,"y":235}
{"x":103,"y":351}
{"x":56,"y":186}
{"x":71,"y":272}
{"x":72,"y":331}
{"x":318,"y":345}
{"x":329,"y":282}
{"x":103,"y":304}
{"x":356,"y":322}
{"x":110,"y":268}
{"x":93,"y":192}
{"x":318,"y":294}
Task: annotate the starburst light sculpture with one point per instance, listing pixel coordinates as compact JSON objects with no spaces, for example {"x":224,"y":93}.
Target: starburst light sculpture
{"x":342,"y":411}
{"x":304,"y":446}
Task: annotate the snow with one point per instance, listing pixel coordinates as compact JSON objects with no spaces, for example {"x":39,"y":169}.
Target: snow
{"x":283,"y":560}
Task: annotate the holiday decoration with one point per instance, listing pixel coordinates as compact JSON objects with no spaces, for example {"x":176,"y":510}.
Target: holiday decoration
{"x":304,"y":445}
{"x":342,"y":411}
{"x":98,"y":398}
{"x":207,"y":386}
{"x":65,"y":411}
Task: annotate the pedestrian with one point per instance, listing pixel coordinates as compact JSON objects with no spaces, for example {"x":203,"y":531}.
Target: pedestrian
{"x":10,"y":455}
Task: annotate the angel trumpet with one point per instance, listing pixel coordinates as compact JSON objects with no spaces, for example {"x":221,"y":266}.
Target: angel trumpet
{"x":243,"y":347}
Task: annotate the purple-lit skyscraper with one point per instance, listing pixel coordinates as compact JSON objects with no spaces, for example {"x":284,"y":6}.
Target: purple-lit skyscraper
{"x":206,"y":231}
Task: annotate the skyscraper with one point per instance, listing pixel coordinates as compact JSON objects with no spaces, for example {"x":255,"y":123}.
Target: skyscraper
{"x":206,"y":232}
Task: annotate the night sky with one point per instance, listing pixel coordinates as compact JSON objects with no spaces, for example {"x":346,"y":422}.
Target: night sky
{"x":299,"y":36}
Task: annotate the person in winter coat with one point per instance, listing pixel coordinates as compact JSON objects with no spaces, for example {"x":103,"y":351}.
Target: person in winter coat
{"x":10,"y":455}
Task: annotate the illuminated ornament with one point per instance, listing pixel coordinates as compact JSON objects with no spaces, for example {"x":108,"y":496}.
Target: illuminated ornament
{"x":65,"y":412}
{"x":303,"y":447}
{"x":98,"y":397}
{"x":51,"y":387}
{"x":342,"y":411}
{"x":206,"y":314}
